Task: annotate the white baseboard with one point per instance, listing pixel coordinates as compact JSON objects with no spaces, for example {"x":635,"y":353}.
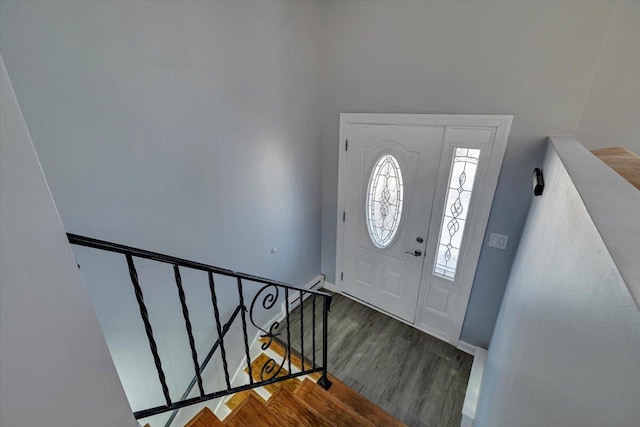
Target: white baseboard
{"x":473,"y":388}
{"x":466,"y":421}
{"x":315,"y":283}
{"x":294,"y":300}
{"x":467,"y":348}
{"x":331,"y":287}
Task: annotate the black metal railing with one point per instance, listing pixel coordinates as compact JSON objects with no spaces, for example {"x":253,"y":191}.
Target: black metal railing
{"x":266,"y":298}
{"x":219,"y":343}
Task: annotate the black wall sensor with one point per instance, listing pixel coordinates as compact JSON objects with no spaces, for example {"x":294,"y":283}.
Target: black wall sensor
{"x":538,"y":182}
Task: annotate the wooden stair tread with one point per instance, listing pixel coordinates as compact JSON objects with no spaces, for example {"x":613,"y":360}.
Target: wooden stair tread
{"x":252,"y":413}
{"x":332,"y":409}
{"x":296,"y":361}
{"x":361,"y":404}
{"x":256,"y":367}
{"x":295,"y":412}
{"x":239,"y":397}
{"x":204,"y":418}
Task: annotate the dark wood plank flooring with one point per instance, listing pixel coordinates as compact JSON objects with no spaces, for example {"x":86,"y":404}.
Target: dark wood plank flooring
{"x":416,"y":378}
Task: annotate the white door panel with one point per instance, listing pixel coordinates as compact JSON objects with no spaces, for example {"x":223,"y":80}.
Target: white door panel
{"x":389,"y":277}
{"x":440,"y":294}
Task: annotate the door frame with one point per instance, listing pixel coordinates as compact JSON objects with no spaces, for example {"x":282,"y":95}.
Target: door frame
{"x":475,"y":238}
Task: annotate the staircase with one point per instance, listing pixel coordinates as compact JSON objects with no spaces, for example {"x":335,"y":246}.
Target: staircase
{"x":271,"y":395}
{"x":296,"y":402}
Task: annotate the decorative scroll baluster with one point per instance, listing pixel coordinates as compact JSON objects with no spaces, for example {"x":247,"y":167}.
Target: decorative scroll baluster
{"x":302,"y":329}
{"x":216,"y":313}
{"x":286,"y":299}
{"x":147,"y":327}
{"x":271,"y":368}
{"x":187,"y":324}
{"x":244,"y":329}
{"x":313,"y":330}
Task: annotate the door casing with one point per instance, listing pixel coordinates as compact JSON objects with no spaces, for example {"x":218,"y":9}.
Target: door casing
{"x":474,"y":236}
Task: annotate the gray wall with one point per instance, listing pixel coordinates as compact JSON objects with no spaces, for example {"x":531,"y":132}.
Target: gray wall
{"x":54,"y":363}
{"x":188,"y":128}
{"x":611,"y":114}
{"x":533,"y":60}
{"x":566,"y":349}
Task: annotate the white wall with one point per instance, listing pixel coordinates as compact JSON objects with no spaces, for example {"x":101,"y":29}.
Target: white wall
{"x":531,"y":59}
{"x":54,"y":363}
{"x":158,"y":122}
{"x":184,"y":127}
{"x":189,"y":128}
{"x":566,"y":349}
{"x":611,"y":114}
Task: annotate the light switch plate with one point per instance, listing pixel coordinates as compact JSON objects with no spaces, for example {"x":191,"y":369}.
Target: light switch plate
{"x":498,"y":240}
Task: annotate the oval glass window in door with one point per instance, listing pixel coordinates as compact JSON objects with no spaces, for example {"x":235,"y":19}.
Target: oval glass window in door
{"x":384,"y":200}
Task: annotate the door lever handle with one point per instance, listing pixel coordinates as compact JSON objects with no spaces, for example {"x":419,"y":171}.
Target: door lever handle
{"x":417,"y":252}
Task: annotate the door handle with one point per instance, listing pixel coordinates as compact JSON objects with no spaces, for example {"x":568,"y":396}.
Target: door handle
{"x":417,"y":252}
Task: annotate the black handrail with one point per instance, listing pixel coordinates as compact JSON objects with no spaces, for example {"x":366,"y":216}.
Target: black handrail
{"x":268,"y":295}
{"x":75,"y":239}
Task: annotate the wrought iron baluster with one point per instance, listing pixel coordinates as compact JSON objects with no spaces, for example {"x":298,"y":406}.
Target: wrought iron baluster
{"x":302,"y":329}
{"x":216,"y":313}
{"x":326,"y":306}
{"x":313,"y":330}
{"x":147,"y":327}
{"x":187,"y":324}
{"x":203,"y":365}
{"x":243,"y":316}
{"x":286,"y":299}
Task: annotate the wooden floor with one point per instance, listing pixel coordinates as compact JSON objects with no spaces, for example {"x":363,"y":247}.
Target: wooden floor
{"x":623,"y":161}
{"x":416,"y":378}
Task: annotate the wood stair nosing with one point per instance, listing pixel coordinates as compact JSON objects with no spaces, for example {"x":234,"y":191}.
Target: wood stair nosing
{"x":256,"y":367}
{"x":296,"y":412}
{"x":329,"y":406}
{"x":204,"y":418}
{"x":252,"y":412}
{"x":239,"y":397}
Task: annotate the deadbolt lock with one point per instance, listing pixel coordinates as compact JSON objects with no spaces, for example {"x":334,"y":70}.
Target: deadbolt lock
{"x":419,"y":239}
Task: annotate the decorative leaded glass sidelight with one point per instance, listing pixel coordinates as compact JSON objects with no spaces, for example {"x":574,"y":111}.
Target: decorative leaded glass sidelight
{"x":384,"y":200}
{"x":460,"y":187}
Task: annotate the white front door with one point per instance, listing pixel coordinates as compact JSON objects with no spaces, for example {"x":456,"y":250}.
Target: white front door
{"x":415,"y":193}
{"x":391,"y":178}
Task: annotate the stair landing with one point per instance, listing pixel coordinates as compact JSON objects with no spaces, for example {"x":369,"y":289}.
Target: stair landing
{"x":623,"y":161}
